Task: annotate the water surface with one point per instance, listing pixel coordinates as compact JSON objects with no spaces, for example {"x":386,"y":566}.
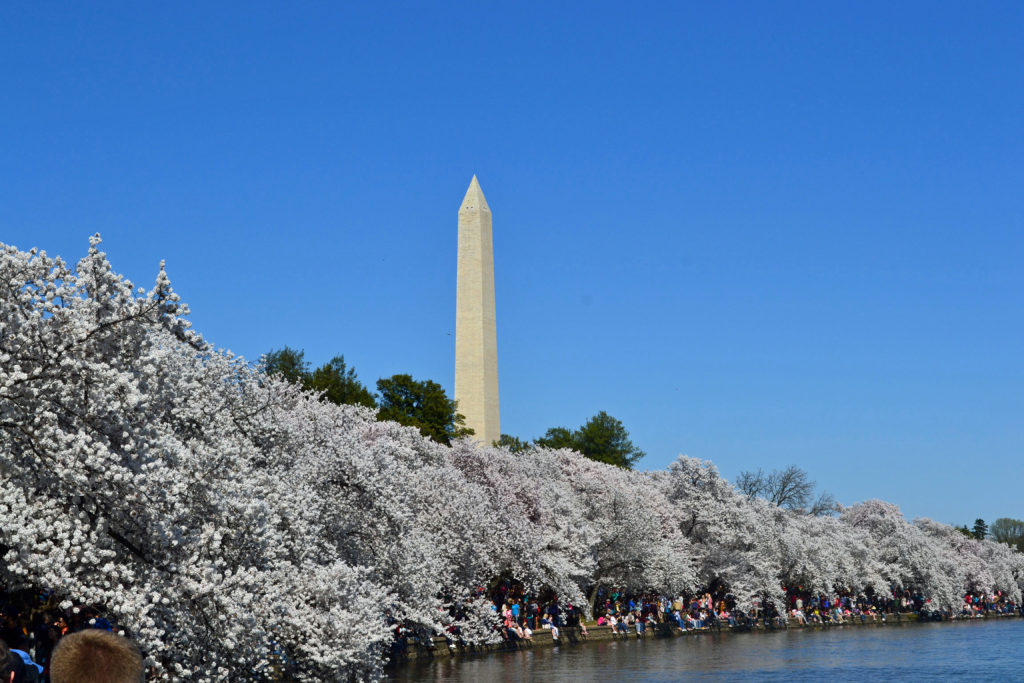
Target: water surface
{"x":990,"y":650}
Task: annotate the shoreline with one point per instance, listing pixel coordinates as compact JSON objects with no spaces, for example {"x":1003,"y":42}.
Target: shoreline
{"x":439,"y":647}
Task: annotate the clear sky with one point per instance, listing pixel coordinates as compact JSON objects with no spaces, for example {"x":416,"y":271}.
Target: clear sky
{"x":757,"y":233}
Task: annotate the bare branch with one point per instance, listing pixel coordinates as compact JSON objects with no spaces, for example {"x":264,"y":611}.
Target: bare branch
{"x":824,"y":506}
{"x":790,"y":488}
{"x":752,"y":484}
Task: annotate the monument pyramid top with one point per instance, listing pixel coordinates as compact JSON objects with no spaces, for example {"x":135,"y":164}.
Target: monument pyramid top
{"x":474,"y":199}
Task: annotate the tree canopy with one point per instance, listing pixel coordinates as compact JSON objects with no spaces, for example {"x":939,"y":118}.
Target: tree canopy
{"x":288,"y":364}
{"x":339,"y":384}
{"x":243,"y":528}
{"x":1008,"y":530}
{"x":335,"y":381}
{"x":421,"y":404}
{"x":558,"y":437}
{"x":791,"y":488}
{"x":602,"y":438}
{"x":965,"y":530}
{"x":512,"y":443}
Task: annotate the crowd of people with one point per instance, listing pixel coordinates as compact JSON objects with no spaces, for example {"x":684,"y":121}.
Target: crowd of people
{"x":41,"y":641}
{"x":685,"y":613}
{"x":37,"y":631}
{"x":519,"y":615}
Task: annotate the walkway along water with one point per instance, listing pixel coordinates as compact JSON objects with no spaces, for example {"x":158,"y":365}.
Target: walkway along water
{"x":440,"y":647}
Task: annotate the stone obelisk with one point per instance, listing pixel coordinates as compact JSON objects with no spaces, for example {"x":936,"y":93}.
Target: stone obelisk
{"x":476,"y":344}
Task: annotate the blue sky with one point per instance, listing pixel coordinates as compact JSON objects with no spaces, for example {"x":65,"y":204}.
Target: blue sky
{"x":756,"y":233}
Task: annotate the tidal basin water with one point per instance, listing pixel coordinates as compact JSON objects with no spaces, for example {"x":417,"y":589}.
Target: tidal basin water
{"x":978,"y":650}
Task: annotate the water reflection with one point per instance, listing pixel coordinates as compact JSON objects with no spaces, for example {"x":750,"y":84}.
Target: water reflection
{"x":980,"y":651}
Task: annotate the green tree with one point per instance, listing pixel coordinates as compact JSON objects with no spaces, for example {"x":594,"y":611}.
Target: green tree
{"x":980,"y":529}
{"x":334,"y":380}
{"x":1008,"y":530}
{"x":512,"y":443}
{"x":558,"y":437}
{"x":423,"y":405}
{"x":602,"y":438}
{"x":339,"y":384}
{"x":287,"y":363}
{"x":964,"y":530}
{"x":605,"y":439}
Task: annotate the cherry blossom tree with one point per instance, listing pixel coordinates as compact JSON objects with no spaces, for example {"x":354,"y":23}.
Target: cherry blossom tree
{"x":237,"y":525}
{"x":135,"y":476}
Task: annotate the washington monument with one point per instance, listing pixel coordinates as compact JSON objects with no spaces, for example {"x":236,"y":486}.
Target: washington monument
{"x":476,"y":345}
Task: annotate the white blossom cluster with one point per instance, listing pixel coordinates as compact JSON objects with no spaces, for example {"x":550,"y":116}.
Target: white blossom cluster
{"x":239,"y":526}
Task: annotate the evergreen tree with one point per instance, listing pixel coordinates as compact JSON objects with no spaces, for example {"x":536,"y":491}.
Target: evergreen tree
{"x":603,"y":438}
{"x":339,"y":384}
{"x":558,"y":437}
{"x":980,"y":530}
{"x":512,"y":443}
{"x":334,"y":380}
{"x":423,"y":405}
{"x":288,"y":364}
{"x":965,"y":530}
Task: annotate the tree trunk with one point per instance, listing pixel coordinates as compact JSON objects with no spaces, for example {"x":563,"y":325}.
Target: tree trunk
{"x":592,"y":599}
